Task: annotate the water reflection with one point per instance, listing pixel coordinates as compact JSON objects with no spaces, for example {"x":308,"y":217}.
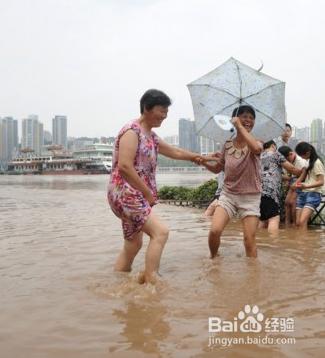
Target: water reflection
{"x":60,"y":182}
{"x":144,"y":326}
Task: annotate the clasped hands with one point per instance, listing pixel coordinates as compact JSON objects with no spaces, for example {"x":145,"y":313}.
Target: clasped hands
{"x":202,"y":159}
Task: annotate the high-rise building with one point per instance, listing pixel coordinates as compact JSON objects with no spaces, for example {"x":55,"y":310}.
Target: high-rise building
{"x":208,"y":145}
{"x":302,"y":134}
{"x":32,"y":135}
{"x":59,"y":131}
{"x":317,"y":133}
{"x":47,"y":137}
{"x":188,"y":138}
{"x":8,"y":138}
{"x":172,"y":140}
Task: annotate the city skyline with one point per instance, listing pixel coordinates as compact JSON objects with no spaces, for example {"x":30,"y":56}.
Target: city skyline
{"x":109,"y":134}
{"x":36,"y":140}
{"x":92,"y":60}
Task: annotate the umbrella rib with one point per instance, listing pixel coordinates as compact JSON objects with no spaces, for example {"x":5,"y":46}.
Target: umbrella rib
{"x":231,"y":104}
{"x":263,"y":89}
{"x":217,"y":88}
{"x":264,"y":114}
{"x":269,"y":117}
{"x":207,"y":122}
{"x":257,"y":110}
{"x":240,"y":82}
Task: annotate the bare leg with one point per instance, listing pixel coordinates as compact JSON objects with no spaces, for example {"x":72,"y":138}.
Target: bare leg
{"x":298,"y":214}
{"x":304,"y":218}
{"x":128,"y":253}
{"x":262,"y":224}
{"x":211,"y":208}
{"x":158,"y":233}
{"x":219,"y":221}
{"x":288,"y":208}
{"x":293,"y":207}
{"x":273,"y":226}
{"x":250,"y":226}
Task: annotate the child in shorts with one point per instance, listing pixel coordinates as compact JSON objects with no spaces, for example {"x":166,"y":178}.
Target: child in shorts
{"x":310,"y":185}
{"x":291,"y":197}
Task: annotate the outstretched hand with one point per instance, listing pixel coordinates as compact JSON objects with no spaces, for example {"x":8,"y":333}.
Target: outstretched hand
{"x":215,"y":157}
{"x":297,"y":185}
{"x":198,"y":160}
{"x":202,"y":159}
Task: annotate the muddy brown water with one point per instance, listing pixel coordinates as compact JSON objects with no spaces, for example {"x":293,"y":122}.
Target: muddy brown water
{"x":60,"y":297}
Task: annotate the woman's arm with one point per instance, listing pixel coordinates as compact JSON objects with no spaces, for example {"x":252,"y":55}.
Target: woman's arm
{"x":178,"y":153}
{"x":291,"y":168}
{"x":218,"y":166}
{"x":319,"y":182}
{"x":214,"y":168}
{"x":301,"y":178}
{"x":254,"y":145}
{"x":127,"y":152}
{"x":285,"y":177}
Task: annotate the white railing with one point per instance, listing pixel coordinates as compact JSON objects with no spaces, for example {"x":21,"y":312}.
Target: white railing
{"x":181,"y":169}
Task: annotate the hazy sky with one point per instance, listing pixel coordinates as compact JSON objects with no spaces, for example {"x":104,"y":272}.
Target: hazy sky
{"x":92,"y":59}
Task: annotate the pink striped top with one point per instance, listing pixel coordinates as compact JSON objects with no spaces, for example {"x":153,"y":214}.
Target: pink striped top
{"x":242,"y":170}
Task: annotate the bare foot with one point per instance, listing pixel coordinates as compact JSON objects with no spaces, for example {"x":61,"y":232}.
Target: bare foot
{"x":147,"y":278}
{"x":141,"y":278}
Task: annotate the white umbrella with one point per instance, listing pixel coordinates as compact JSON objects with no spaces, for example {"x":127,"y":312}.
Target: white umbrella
{"x":216,"y":94}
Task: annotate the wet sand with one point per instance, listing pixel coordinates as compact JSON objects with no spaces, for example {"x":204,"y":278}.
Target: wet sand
{"x":61,"y":298}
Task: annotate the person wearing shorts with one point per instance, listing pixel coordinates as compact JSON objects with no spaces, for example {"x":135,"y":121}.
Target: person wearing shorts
{"x":309,"y":200}
{"x":291,"y":195}
{"x":212,"y":207}
{"x":240,"y":161}
{"x":272,"y":163}
{"x":310,"y":185}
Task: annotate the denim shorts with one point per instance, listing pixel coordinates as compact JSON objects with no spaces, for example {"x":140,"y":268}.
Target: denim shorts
{"x":308,"y":199}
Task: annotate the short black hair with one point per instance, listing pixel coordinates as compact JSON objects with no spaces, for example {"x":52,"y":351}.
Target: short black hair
{"x":268,"y":144}
{"x":289,"y":126}
{"x":154,"y":97}
{"x":285,"y":150}
{"x":242,"y":109}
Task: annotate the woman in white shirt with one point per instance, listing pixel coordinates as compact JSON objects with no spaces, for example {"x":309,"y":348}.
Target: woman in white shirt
{"x":310,"y":184}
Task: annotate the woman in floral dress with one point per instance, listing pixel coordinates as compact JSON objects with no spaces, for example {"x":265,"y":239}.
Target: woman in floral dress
{"x":272,"y":163}
{"x":132,"y":190}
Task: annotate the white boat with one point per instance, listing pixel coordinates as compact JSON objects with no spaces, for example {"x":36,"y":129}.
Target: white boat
{"x":94,"y":159}
{"x":98,"y":155}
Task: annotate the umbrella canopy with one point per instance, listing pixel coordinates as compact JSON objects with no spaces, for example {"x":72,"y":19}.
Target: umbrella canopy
{"x":216,"y":94}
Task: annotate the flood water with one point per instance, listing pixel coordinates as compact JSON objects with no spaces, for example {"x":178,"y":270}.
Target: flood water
{"x":60,"y":297}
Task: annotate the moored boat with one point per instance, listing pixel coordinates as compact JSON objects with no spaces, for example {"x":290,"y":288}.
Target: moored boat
{"x":95,"y":159}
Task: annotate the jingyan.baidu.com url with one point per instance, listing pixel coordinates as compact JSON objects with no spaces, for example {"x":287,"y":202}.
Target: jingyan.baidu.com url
{"x":215,"y":341}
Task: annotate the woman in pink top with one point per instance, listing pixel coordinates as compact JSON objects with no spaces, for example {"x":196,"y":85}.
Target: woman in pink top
{"x":132,"y":190}
{"x":241,"y":193}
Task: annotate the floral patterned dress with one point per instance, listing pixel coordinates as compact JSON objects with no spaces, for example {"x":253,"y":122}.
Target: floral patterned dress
{"x":271,"y":165}
{"x":126,"y":202}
